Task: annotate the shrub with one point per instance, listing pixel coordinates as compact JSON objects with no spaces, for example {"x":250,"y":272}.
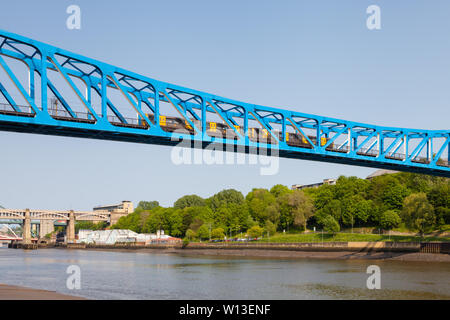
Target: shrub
{"x":330,"y":224}
{"x":389,"y":220}
{"x":255,"y":232}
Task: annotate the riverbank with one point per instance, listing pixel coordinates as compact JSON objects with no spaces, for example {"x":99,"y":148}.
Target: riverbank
{"x":404,"y":251}
{"x":8,"y":292}
{"x":341,"y":255}
{"x":290,"y":254}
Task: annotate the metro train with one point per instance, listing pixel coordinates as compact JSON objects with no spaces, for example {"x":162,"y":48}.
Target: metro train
{"x":220,"y":130}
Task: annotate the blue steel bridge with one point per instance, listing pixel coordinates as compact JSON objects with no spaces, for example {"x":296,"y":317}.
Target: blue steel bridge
{"x":47,"y":90}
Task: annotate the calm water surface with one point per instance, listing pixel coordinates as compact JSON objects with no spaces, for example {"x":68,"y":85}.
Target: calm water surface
{"x":139,"y":275}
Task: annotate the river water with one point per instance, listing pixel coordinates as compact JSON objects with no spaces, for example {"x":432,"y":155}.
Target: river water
{"x":140,"y":275}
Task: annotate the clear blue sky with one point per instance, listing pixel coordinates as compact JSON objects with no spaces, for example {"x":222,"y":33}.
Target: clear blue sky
{"x":311,"y":56}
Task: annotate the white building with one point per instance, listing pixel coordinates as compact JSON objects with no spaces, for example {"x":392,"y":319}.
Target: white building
{"x":330,"y":182}
{"x":121,"y":236}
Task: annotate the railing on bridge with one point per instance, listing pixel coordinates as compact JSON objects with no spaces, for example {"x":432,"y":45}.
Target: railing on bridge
{"x":117,"y":104}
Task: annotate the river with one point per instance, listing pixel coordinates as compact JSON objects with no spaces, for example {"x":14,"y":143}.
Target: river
{"x":141,"y":275}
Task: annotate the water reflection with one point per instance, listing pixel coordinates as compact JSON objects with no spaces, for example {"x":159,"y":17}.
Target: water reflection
{"x":139,"y":275}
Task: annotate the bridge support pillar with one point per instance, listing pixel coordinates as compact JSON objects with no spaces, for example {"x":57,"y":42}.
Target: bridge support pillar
{"x":47,"y":226}
{"x":26,"y":233}
{"x":70,"y":233}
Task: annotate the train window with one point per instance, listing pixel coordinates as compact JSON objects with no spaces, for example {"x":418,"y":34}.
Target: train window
{"x":287,"y":136}
{"x":212,"y":126}
{"x":162,"y":120}
{"x":265,"y":133}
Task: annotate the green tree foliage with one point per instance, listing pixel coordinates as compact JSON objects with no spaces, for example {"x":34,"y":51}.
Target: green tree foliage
{"x":302,"y":208}
{"x":333,"y":208}
{"x":189,"y":201}
{"x":203,"y":232}
{"x":255,"y":232}
{"x":89,"y":225}
{"x":389,"y":220}
{"x":218,"y":234}
{"x":418,"y":213}
{"x":148,"y":205}
{"x":322,"y":196}
{"x":191,"y":234}
{"x":270,"y":228}
{"x":330,"y":224}
{"x":133,"y":222}
{"x":350,"y":186}
{"x":156,"y":220}
{"x":262,"y":205}
{"x":279,"y":190}
{"x":224,"y":198}
{"x":388,"y":192}
{"x":420,"y":201}
{"x":439,"y":197}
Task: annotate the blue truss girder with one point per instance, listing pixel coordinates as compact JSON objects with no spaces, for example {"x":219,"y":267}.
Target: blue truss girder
{"x":321,"y":138}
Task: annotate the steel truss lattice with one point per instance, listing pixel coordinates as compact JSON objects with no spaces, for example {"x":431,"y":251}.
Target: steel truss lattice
{"x":291,"y":134}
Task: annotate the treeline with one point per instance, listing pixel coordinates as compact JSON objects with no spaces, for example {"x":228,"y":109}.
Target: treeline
{"x":415,"y":202}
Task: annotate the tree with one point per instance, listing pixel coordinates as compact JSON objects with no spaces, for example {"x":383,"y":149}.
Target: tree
{"x":334,"y":209}
{"x":302,"y":208}
{"x":133,"y":222}
{"x":418,"y":213}
{"x":323,"y":195}
{"x":255,"y":232}
{"x":217,"y":233}
{"x":156,"y":220}
{"x":388,"y":191}
{"x":279,"y":190}
{"x":330,"y":224}
{"x":191,"y":234}
{"x":147,"y":205}
{"x":270,"y":228}
{"x":189,"y":201}
{"x":261,"y":204}
{"x":439,"y":197}
{"x":203,"y":232}
{"x":285,"y":219}
{"x":349,"y":186}
{"x":174,"y":221}
{"x":225,"y":197}
{"x":89,"y":225}
{"x":389,"y":220}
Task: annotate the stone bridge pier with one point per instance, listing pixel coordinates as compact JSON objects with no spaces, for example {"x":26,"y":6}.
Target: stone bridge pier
{"x":70,"y":231}
{"x":47,"y":226}
{"x":26,"y":237}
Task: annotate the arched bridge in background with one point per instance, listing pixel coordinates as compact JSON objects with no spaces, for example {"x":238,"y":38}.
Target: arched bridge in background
{"x":25,"y":217}
{"x":47,"y":90}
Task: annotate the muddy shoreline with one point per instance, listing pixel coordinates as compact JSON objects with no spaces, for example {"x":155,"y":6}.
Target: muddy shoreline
{"x":10,"y":292}
{"x":288,"y":254}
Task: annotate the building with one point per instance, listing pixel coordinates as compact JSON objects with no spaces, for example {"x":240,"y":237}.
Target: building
{"x":117,"y":210}
{"x":380,"y":172}
{"x":313,"y":185}
{"x":123,"y":236}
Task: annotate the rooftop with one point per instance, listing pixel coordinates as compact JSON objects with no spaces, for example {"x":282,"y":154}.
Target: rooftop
{"x":380,"y":173}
